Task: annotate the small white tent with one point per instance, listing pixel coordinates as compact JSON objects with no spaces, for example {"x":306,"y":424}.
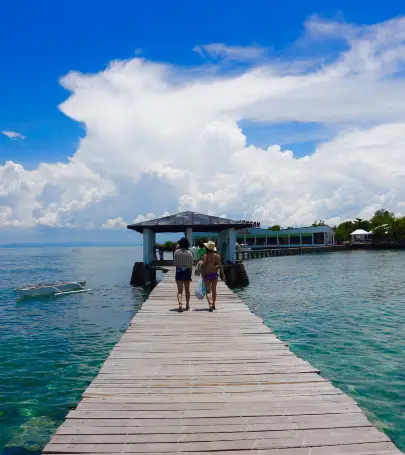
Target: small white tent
{"x":359,"y":235}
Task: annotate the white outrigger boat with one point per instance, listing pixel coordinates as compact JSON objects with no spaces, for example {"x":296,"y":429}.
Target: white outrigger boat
{"x":46,"y":289}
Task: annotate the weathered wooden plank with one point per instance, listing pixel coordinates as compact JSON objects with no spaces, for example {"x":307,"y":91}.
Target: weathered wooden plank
{"x":379,"y":448}
{"x":301,"y":423}
{"x":263,"y":379}
{"x":230,"y":392}
{"x":197,"y":421}
{"x":315,"y":409}
{"x":298,"y":384}
{"x":173,"y":405}
{"x":312,"y":438}
{"x":204,"y":376}
{"x":168,"y":369}
{"x":214,"y":397}
{"x":216,"y":435}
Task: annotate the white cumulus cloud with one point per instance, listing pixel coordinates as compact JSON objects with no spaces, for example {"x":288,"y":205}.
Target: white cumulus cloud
{"x":148,"y":217}
{"x":115,"y":223}
{"x":162,"y":138}
{"x":12,"y":135}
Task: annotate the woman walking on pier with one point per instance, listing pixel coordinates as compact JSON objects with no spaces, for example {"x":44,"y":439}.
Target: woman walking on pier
{"x":183,"y":261}
{"x":212,"y":263}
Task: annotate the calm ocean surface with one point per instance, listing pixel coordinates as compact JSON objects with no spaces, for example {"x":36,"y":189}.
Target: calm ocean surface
{"x":344,"y":312}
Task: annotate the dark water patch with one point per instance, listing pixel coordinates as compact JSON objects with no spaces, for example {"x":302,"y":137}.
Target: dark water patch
{"x":19,"y":451}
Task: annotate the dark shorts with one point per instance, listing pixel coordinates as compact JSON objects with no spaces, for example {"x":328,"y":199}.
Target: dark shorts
{"x":211,"y":276}
{"x":183,"y":274}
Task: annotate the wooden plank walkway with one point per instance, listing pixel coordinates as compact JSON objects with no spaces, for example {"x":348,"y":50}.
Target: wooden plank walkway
{"x":211,"y":383}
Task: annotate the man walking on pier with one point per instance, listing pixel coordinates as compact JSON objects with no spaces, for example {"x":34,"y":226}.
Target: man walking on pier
{"x":193,"y":250}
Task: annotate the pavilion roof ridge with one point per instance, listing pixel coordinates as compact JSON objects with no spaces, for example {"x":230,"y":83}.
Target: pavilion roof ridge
{"x":178,"y":222}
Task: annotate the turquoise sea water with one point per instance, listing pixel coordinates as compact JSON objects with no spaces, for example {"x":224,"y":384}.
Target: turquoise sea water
{"x":344,"y":312}
{"x":51,"y":348}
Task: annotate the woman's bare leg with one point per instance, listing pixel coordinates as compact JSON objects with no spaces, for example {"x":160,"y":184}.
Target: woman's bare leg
{"x":214,"y":292}
{"x":187,"y":291}
{"x":208,"y":286}
{"x":180,"y":294}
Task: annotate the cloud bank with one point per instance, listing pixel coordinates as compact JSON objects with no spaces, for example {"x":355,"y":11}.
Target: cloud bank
{"x":161,"y":138}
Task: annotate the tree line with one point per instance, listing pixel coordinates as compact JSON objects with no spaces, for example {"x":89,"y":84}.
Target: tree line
{"x":167,"y":246}
{"x":385,"y":226}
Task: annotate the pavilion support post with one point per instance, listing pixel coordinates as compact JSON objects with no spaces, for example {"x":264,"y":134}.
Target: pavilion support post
{"x":143,"y":273}
{"x":234,"y":271}
{"x":147,"y":246}
{"x":222,"y":241}
{"x":189,"y":235}
{"x":152,"y":246}
{"x":231,"y":245}
{"x":221,"y":238}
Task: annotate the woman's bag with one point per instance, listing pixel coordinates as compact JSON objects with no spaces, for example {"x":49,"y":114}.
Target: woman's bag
{"x":200,"y":290}
{"x":198,"y":269}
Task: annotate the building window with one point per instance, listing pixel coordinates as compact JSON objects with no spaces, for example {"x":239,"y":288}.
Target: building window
{"x":295,"y":240}
{"x":319,"y":238}
{"x":283,"y":240}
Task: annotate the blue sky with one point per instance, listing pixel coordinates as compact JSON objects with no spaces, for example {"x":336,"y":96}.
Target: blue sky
{"x":42,"y":41}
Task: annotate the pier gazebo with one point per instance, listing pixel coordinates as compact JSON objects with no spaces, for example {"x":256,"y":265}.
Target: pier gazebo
{"x":186,"y":223}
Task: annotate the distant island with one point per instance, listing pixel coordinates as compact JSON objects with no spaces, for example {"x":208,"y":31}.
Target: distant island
{"x":63,"y":244}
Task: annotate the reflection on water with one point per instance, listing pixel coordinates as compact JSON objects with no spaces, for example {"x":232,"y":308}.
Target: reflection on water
{"x":344,"y":313}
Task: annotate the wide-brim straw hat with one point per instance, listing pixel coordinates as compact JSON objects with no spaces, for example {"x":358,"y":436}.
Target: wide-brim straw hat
{"x":210,"y":246}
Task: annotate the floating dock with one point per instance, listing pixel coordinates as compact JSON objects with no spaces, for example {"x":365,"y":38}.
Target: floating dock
{"x":211,"y":383}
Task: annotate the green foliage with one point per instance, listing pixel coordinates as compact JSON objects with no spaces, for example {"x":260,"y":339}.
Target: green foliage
{"x":343,"y":231}
{"x":168,"y":246}
{"x":362,"y":224}
{"x":398,"y":229}
{"x":318,"y":223}
{"x":384,"y":225}
{"x":382,"y":217}
{"x":276,"y":227}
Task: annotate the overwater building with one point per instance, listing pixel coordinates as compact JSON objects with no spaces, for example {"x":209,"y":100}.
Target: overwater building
{"x":317,"y":236}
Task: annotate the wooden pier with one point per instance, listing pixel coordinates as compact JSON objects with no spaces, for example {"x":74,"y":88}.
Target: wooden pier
{"x":256,"y":253}
{"x":211,"y":383}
